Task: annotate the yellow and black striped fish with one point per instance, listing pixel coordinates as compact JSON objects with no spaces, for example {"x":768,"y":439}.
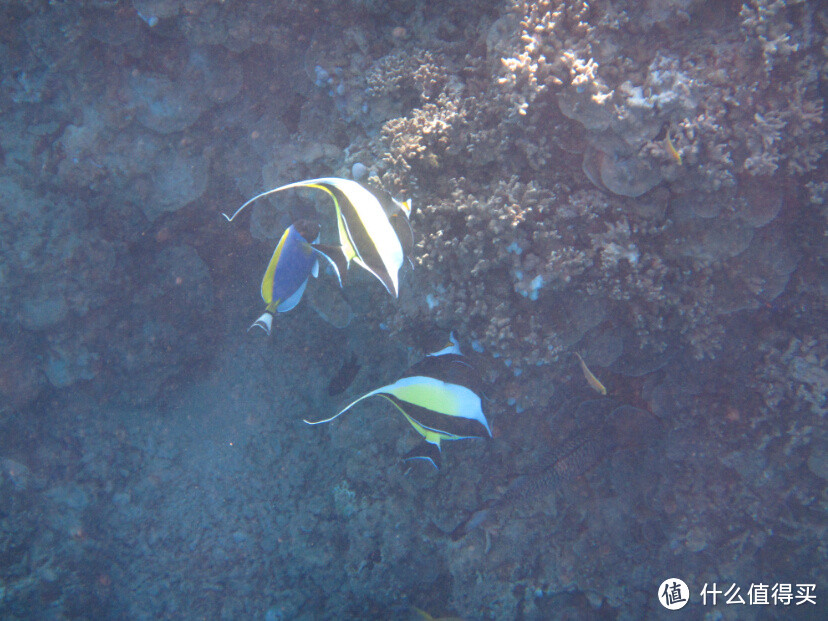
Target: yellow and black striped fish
{"x":440,"y":397}
{"x":366,"y":235}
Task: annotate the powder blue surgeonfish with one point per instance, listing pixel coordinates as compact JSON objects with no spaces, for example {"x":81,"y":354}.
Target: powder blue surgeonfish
{"x":287,"y":273}
{"x":440,"y":397}
{"x":366,"y":233}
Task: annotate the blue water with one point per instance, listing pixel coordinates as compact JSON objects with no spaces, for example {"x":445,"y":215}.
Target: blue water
{"x":642,"y":184}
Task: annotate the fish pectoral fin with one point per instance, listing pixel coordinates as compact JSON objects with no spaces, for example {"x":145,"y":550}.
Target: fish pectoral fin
{"x":426,"y":451}
{"x":315,"y":269}
{"x":335,"y":255}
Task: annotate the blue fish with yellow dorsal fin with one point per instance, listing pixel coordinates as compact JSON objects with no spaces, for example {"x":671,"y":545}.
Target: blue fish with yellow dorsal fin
{"x":367,"y":236}
{"x":287,"y":273}
{"x":440,"y":397}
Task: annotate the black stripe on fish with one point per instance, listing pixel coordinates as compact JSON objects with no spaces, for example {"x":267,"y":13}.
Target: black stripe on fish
{"x":449,"y":368}
{"x":398,"y":219}
{"x":402,"y":227}
{"x":362,"y":242}
{"x":441,"y":423}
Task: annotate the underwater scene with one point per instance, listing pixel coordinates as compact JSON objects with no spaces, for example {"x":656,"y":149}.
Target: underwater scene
{"x":413,"y":310}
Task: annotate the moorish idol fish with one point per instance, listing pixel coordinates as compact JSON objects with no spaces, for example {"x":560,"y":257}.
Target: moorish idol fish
{"x":366,"y":235}
{"x":287,"y":273}
{"x":440,"y":397}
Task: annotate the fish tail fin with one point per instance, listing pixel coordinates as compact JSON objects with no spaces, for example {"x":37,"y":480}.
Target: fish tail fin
{"x":427,"y":452}
{"x":343,"y":410}
{"x":264,"y":322}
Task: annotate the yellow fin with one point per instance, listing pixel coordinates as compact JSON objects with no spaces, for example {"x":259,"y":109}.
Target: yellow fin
{"x":344,"y":239}
{"x":267,"y":281}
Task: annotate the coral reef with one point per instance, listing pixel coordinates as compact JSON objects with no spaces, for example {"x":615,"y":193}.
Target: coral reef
{"x":729,"y":115}
{"x":670,"y":256}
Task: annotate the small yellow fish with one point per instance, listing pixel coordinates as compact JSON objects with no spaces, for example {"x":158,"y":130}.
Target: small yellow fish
{"x":671,"y":149}
{"x":593,"y":381}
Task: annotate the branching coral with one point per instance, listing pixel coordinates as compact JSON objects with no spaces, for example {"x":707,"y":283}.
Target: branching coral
{"x":424,"y":72}
{"x":429,"y":133}
{"x":726,"y":109}
{"x":503,"y":262}
{"x":499,"y":257}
